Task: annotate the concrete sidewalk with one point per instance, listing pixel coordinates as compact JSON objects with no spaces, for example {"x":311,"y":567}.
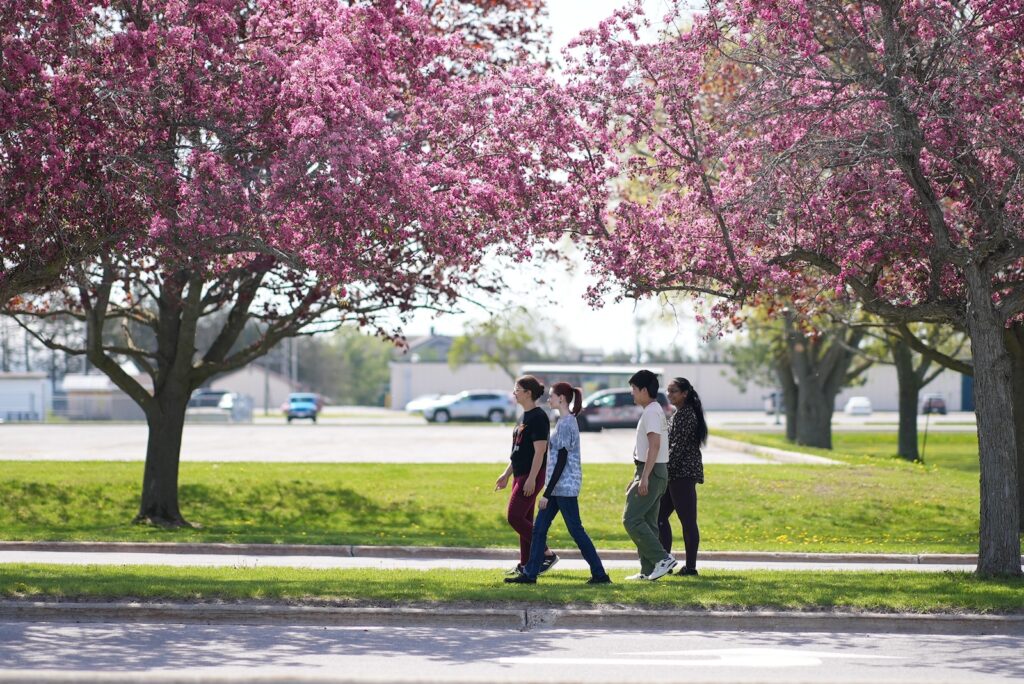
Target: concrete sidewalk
{"x":423,"y":558}
{"x":500,"y":616}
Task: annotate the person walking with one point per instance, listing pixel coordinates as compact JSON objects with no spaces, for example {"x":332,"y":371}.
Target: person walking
{"x":643,"y":495}
{"x":526,"y":468}
{"x":565,"y":478}
{"x":689,"y":429}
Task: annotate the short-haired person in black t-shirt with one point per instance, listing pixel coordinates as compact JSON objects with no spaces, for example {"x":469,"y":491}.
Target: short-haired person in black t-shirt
{"x":526,"y":467}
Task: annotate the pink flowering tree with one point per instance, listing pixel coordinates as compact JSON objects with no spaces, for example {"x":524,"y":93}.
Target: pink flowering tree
{"x":57,"y":197}
{"x":873,"y":147}
{"x":295,"y":164}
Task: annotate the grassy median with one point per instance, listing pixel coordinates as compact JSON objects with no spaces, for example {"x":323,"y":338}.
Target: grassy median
{"x":871,"y":502}
{"x":952,"y":592}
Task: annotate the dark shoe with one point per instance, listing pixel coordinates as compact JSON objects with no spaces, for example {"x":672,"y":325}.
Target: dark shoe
{"x":518,"y":570}
{"x":521,"y":579}
{"x":688,"y":571}
{"x":600,"y":580}
{"x":548,"y":563}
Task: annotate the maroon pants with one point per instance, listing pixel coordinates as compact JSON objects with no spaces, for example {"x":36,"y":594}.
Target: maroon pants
{"x":520,"y":513}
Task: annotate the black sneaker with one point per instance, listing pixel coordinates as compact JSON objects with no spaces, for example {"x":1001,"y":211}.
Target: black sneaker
{"x":518,"y":570}
{"x":521,"y":579}
{"x":600,"y":580}
{"x":548,"y":563}
{"x":688,"y":571}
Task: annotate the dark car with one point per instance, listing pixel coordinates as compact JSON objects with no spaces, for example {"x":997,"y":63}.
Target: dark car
{"x":933,"y":403}
{"x":302,"y":406}
{"x":614,"y":408}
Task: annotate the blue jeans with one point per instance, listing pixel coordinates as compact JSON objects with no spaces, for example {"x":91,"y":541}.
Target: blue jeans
{"x":570,"y":509}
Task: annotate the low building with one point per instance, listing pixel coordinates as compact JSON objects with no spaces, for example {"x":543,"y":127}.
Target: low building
{"x":24,"y":396}
{"x":712,"y":380}
{"x":94,"y":396}
{"x":268,"y":389}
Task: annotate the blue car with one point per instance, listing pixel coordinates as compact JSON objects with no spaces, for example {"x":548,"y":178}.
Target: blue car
{"x":302,"y":405}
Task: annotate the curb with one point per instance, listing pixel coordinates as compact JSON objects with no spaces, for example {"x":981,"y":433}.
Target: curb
{"x":520,"y":619}
{"x":780,"y":456}
{"x":364,"y":551}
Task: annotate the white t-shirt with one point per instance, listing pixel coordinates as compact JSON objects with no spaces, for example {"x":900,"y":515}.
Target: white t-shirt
{"x":652,"y":420}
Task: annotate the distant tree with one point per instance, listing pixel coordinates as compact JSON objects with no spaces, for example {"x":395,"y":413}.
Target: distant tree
{"x":502,"y":341}
{"x":812,"y":358}
{"x":348,"y":366}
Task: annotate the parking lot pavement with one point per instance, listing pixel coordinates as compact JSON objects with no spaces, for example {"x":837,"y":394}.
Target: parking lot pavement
{"x":308,"y":443}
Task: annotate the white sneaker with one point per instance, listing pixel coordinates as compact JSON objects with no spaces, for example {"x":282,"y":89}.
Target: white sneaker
{"x":662,"y":568}
{"x":638,"y":577}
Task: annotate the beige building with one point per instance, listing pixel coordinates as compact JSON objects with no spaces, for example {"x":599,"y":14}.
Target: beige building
{"x":268,"y":389}
{"x":93,"y":396}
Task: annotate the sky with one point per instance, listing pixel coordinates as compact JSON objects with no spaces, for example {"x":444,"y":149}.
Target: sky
{"x":614,"y":327}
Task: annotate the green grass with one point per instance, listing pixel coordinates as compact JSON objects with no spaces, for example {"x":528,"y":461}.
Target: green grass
{"x":953,"y":592}
{"x":869,"y":504}
{"x":944,"y":450}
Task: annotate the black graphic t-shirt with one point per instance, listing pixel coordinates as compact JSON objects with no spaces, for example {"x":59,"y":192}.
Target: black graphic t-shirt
{"x":534,"y":427}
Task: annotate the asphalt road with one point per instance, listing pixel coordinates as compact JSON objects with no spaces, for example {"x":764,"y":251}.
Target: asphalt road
{"x":57,"y":651}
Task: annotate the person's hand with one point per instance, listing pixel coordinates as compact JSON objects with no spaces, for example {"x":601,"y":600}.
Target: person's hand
{"x":528,"y":488}
{"x":501,"y":483}
{"x":642,"y":487}
{"x":542,"y":503}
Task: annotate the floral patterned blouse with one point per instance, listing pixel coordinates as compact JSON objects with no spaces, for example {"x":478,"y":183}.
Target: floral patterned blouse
{"x":684,"y":457}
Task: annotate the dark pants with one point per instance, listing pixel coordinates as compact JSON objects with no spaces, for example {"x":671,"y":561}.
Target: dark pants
{"x":681,"y":497}
{"x":570,"y":508}
{"x":520,"y":513}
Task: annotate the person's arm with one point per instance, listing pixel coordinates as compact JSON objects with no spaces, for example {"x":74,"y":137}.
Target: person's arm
{"x":539,"y":449}
{"x":653,"y":444}
{"x":502,"y":480}
{"x":562,"y":459}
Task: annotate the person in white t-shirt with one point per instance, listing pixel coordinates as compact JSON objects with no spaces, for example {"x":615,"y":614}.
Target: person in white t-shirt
{"x":643,"y":495}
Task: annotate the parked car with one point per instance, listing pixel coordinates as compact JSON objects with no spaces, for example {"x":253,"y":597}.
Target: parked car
{"x":301,"y":406}
{"x":614,"y":408}
{"x":206,"y":398}
{"x":933,"y":403}
{"x":494,"y":405}
{"x":857,"y":406}
{"x":419,"y":403}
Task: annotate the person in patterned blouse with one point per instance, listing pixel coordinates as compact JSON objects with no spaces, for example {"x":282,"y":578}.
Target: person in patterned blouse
{"x":688,"y":431}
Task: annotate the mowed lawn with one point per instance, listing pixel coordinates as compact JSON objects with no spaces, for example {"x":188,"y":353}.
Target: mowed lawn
{"x":871,"y":502}
{"x":949,"y":592}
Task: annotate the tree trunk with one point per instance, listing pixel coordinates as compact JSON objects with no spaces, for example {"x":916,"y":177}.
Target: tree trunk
{"x":814,"y":413}
{"x":909,"y":389}
{"x":1014,"y":336}
{"x":999,"y":533}
{"x":790,"y":396}
{"x":159,"y":505}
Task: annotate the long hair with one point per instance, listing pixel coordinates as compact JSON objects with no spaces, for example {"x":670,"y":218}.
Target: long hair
{"x":693,"y":401}
{"x":573,"y":396}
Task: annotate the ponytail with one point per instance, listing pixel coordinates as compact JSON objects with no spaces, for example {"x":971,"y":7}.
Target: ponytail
{"x":573,"y":396}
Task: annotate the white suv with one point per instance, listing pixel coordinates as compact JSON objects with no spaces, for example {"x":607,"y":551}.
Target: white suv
{"x":493,"y":405}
